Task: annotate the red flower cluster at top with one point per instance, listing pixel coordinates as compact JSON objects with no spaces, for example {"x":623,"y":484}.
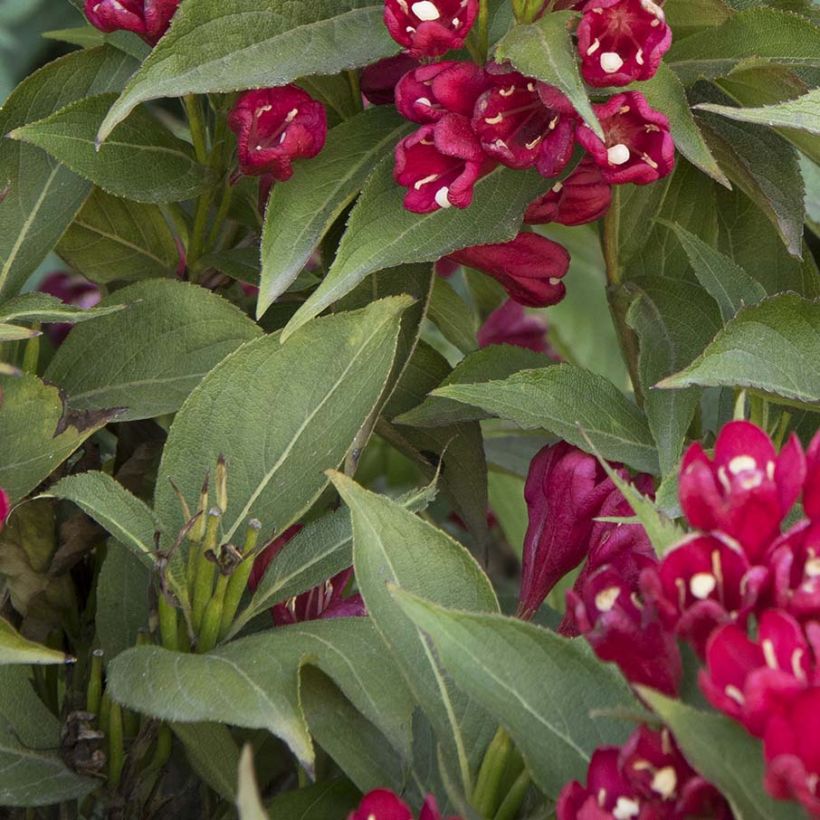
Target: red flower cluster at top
{"x":147,"y":18}
{"x":382,"y":804}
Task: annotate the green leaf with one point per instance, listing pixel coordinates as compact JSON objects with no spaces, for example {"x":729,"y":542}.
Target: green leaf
{"x":540,"y":686}
{"x":248,"y":802}
{"x":545,"y":50}
{"x":765,"y":34}
{"x":507,"y":502}
{"x":391,"y":545}
{"x":316,"y":390}
{"x":453,"y":316}
{"x":42,"y":307}
{"x":15,"y":649}
{"x":142,"y":160}
{"x":485,"y":365}
{"x":300,"y":213}
{"x":31,"y":771}
{"x":726,"y":282}
{"x":565,"y":400}
{"x":113,"y":239}
{"x":231,"y":45}
{"x":212,"y":753}
{"x":382,"y":234}
{"x":674,"y":320}
{"x":196,"y":328}
{"x":665,"y":93}
{"x":254,"y":682}
{"x":37,"y":432}
{"x":721,"y":750}
{"x":13,"y":333}
{"x":772,"y":348}
{"x":321,"y":801}
{"x":687,"y":15}
{"x":40,"y":198}
{"x":802,"y":113}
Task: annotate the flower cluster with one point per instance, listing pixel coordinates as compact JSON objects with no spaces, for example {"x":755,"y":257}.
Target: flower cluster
{"x":147,"y":18}
{"x":382,"y":804}
{"x":646,"y":778}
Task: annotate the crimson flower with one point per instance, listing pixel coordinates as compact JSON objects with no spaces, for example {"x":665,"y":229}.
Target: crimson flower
{"x":275,"y":126}
{"x":607,"y":793}
{"x":428,"y":92}
{"x":794,"y":562}
{"x":746,"y":490}
{"x":147,"y":18}
{"x":323,"y":601}
{"x":582,"y":197}
{"x":509,"y":324}
{"x":430,"y":28}
{"x":72,"y":289}
{"x":621,"y":41}
{"x":524,"y":123}
{"x":529,"y":268}
{"x":811,"y":487}
{"x":5,"y":507}
{"x":439,"y":165}
{"x":382,"y":804}
{"x":378,"y":81}
{"x":638,"y":146}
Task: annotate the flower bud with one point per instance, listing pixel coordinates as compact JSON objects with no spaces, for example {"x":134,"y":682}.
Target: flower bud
{"x":529,"y":268}
{"x":378,"y":81}
{"x":430,"y":28}
{"x":621,"y":41}
{"x":582,"y":197}
{"x":794,"y":562}
{"x":274,"y":126}
{"x":638,"y":146}
{"x":147,"y":18}
{"x":510,"y":325}
{"x":428,"y":92}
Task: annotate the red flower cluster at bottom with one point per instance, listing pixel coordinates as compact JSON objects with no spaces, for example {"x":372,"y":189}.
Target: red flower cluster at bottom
{"x":382,"y":804}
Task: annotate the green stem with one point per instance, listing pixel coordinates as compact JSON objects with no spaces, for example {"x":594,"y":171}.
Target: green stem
{"x":515,"y":797}
{"x":205,"y":568}
{"x":483,"y":29}
{"x":238,"y":582}
{"x":197,"y":125}
{"x":222,"y":213}
{"x":116,"y":745}
{"x":355,"y":88}
{"x":94,"y":692}
{"x":212,"y":619}
{"x":168,"y":627}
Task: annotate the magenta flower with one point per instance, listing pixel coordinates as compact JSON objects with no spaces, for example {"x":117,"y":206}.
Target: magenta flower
{"x":430,"y":28}
{"x":427,"y":93}
{"x":275,"y":126}
{"x":794,"y":562}
{"x":382,"y":804}
{"x":608,"y":794}
{"x":529,"y":268}
{"x":509,"y":324}
{"x":324,"y":601}
{"x":746,"y":490}
{"x":582,"y":197}
{"x":147,"y":18}
{"x":71,"y":289}
{"x":749,"y":680}
{"x":378,"y":81}
{"x":523,"y":123}
{"x":439,"y":165}
{"x":621,"y":41}
{"x":638,"y":146}
{"x":5,"y":507}
{"x":811,"y":487}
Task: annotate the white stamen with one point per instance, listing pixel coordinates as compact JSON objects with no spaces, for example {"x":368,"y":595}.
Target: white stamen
{"x":769,"y":654}
{"x":741,"y":463}
{"x":425,"y":10}
{"x":649,"y":161}
{"x":702,"y":584}
{"x":812,"y":568}
{"x":553,"y":280}
{"x":530,"y":87}
{"x":410,"y":30}
{"x":442,"y":197}
{"x":606,"y":598}
{"x":554,"y":122}
{"x":770,"y":470}
{"x":424,"y":101}
{"x":557,"y":188}
{"x":420,"y":183}
{"x":735,"y":694}
{"x":258,"y":148}
{"x":456,"y":22}
{"x":505,"y":92}
{"x":403,"y":4}
{"x":639,"y":57}
{"x":797,"y":666}
{"x":263,"y":109}
{"x":665,"y":782}
{"x":530,"y":145}
{"x":594,"y":47}
{"x":292,"y":114}
{"x":618,"y":154}
{"x":611,"y":61}
{"x":494,"y":120}
{"x":653,"y":9}
{"x":626,"y":808}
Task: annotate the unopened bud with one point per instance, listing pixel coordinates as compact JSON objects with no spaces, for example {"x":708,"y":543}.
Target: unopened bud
{"x":198,"y":531}
{"x":222,"y":483}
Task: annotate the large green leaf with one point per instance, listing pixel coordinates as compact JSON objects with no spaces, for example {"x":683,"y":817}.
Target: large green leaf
{"x":113,"y":239}
{"x":155,"y":352}
{"x":545,"y":50}
{"x":231,"y":45}
{"x":762,"y":33}
{"x":382,"y":234}
{"x":15,"y":649}
{"x":212,"y":753}
{"x":142,"y":160}
{"x":391,"y":545}
{"x":299,"y":213}
{"x":568,"y":402}
{"x":31,"y":771}
{"x":687,"y":15}
{"x":722,"y":751}
{"x":254,"y":682}
{"x":540,"y":686}
{"x":315,"y":391}
{"x":42,"y":307}
{"x":40,"y":198}
{"x":802,"y":113}
{"x":37,"y":432}
{"x":321,"y":801}
{"x":453,"y":316}
{"x":772,"y":348}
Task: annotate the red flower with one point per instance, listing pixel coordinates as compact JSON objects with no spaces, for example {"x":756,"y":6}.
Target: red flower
{"x":378,"y":81}
{"x":439,"y":165}
{"x":72,"y":289}
{"x":608,"y":794}
{"x":621,"y":41}
{"x":794,"y":561}
{"x":522,"y":123}
{"x":702,"y":583}
{"x":382,"y":804}
{"x":147,"y":18}
{"x":530,"y":267}
{"x":430,"y":28}
{"x":746,"y":490}
{"x":811,"y":487}
{"x":622,"y":628}
{"x":582,"y":197}
{"x":429,"y":92}
{"x":638,"y":145}
{"x":746,"y":679}
{"x":323,"y":601}
{"x":274,"y":126}
{"x":791,"y":745}
{"x":510,"y":325}
{"x":5,"y":507}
